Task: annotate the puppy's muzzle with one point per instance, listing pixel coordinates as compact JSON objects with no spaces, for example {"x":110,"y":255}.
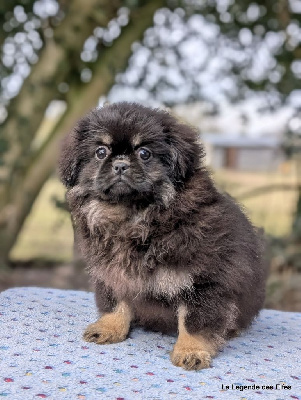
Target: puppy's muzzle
{"x":120,"y":167}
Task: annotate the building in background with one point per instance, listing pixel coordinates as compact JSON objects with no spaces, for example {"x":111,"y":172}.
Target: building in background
{"x":241,"y":136}
{"x":242,"y":153}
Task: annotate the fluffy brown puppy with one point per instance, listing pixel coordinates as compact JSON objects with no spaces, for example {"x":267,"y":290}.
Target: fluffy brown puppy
{"x":165,"y":248}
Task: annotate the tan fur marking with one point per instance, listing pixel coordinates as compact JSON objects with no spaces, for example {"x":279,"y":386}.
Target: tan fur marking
{"x":110,"y":328}
{"x":100,"y":213}
{"x":136,"y":140}
{"x":168,"y":194}
{"x":192,"y":352}
{"x":106,"y":139}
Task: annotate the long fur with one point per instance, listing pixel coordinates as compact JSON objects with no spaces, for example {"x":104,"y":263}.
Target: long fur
{"x":170,"y":240}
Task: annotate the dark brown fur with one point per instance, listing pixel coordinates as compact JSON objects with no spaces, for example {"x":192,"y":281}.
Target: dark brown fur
{"x":165,"y":238}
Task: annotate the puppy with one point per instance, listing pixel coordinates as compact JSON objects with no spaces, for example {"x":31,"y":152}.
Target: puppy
{"x":165,"y":248}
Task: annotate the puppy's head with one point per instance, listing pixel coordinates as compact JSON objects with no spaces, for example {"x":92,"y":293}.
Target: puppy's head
{"x":125,"y":152}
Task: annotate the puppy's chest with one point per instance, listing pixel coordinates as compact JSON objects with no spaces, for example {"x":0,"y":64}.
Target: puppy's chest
{"x":129,"y":275}
{"x":130,"y":258}
{"x":114,"y":221}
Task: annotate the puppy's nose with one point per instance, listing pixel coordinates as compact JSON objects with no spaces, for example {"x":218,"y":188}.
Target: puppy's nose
{"x":119,"y":167}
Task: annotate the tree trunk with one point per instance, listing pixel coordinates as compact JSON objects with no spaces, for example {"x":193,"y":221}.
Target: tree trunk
{"x":26,"y":111}
{"x":113,"y":59}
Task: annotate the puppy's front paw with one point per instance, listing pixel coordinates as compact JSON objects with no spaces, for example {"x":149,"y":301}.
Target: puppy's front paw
{"x":190,"y":359}
{"x":106,"y":330}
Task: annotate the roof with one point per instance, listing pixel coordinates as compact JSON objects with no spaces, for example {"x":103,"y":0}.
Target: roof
{"x":224,"y":140}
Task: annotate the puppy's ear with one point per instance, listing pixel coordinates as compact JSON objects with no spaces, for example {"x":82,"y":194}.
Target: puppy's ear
{"x":69,"y":160}
{"x":184,"y":149}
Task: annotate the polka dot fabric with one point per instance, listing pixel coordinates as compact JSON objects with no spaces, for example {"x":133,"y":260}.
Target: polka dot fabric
{"x":42,"y":355}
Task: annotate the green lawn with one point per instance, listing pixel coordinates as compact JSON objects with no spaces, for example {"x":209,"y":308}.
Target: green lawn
{"x":47,"y":233}
{"x":273,"y":210}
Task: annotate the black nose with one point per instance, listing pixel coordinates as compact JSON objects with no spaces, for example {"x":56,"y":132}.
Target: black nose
{"x":119,"y":167}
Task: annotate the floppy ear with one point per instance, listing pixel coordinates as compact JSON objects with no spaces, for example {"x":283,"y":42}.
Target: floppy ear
{"x":69,"y":160}
{"x":184,"y":149}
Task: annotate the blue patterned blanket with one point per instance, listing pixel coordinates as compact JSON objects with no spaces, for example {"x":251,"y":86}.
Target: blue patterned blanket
{"x":42,"y":355}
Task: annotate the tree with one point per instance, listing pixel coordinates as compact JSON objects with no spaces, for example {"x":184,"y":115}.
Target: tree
{"x":255,"y":48}
{"x":24,"y":169}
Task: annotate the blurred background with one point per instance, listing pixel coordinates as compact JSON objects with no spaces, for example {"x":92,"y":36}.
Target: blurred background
{"x":232,"y":69}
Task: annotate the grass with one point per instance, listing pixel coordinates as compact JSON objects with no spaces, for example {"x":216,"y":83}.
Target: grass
{"x":47,"y":233}
{"x":272,"y":210}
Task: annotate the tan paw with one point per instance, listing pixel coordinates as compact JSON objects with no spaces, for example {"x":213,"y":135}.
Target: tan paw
{"x":105,"y":332}
{"x":191,"y":359}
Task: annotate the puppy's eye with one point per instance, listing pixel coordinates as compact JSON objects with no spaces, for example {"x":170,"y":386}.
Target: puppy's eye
{"x":102,"y":152}
{"x":144,"y":154}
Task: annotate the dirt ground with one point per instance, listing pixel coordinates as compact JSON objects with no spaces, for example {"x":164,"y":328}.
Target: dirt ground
{"x":283,"y":288}
{"x":60,"y":276}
